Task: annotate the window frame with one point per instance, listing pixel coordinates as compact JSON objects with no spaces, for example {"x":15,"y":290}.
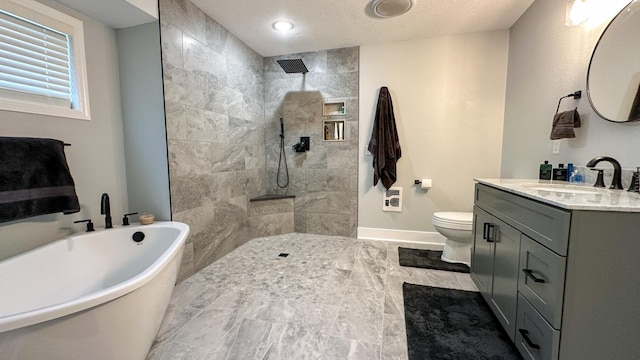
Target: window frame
{"x":47,"y":16}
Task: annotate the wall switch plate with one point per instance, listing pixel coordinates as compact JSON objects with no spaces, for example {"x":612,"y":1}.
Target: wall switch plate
{"x":556,"y":147}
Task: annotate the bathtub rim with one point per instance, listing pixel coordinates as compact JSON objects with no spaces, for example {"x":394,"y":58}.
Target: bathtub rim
{"x":40,"y":315}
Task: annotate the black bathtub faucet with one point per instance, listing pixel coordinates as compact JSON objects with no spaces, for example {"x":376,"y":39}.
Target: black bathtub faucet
{"x":105,"y":209}
{"x":616,"y":182}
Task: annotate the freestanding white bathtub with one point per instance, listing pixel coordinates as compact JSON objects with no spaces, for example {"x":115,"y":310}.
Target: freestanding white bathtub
{"x":97,"y":295}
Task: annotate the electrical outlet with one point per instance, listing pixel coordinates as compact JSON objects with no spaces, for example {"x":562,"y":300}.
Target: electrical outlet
{"x":556,"y":147}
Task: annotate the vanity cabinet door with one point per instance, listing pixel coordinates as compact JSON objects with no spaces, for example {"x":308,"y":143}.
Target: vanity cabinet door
{"x":535,"y":338}
{"x":482,"y":252}
{"x":504,"y":293}
{"x":542,"y":280}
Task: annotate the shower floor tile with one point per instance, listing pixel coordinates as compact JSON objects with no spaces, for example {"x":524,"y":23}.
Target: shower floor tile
{"x":331,"y":298}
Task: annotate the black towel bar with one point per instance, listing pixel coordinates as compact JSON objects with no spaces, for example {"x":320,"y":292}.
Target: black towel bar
{"x":65,"y":144}
{"x":576,"y":95}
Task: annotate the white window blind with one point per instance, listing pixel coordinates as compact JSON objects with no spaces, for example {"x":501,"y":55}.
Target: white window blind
{"x":34,"y":62}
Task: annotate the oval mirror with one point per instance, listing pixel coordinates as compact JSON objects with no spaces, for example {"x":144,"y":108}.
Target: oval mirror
{"x":613,"y":78}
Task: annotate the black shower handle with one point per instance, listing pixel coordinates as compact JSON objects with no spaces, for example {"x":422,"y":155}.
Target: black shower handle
{"x":281,"y":127}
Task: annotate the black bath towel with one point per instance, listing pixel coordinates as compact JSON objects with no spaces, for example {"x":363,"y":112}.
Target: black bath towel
{"x":564,"y":123}
{"x":384,"y":144}
{"x":34,"y":179}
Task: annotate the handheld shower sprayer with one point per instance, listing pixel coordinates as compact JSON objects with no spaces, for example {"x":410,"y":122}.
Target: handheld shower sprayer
{"x":283,"y":156}
{"x":281,"y":128}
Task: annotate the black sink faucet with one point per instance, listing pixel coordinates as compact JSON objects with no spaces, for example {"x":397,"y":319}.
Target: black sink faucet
{"x":105,"y":209}
{"x":616,"y":182}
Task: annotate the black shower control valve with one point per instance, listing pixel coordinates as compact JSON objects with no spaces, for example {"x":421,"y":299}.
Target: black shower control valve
{"x":125,"y":219}
{"x":89,"y":224}
{"x":303,"y":145}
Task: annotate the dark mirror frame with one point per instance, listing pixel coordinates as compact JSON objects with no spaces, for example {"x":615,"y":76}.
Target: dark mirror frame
{"x":634,"y":8}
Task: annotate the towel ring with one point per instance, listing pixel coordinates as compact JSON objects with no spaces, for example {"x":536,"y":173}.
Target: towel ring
{"x":576,"y":95}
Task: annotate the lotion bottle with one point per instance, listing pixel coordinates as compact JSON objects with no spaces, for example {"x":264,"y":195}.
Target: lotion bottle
{"x":545,"y":171}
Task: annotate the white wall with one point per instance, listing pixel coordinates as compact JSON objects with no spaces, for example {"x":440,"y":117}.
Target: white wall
{"x":448,"y":95}
{"x":96,"y":156}
{"x":548,"y":60}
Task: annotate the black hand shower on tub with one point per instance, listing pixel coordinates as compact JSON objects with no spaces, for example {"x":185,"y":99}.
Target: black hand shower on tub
{"x":282,"y":156}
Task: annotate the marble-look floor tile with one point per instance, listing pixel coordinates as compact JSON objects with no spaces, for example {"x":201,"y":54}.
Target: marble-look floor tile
{"x":361,"y":326}
{"x":368,"y":274}
{"x":252,"y":340}
{"x":332,"y":298}
{"x":297,"y":342}
{"x":208,"y":328}
{"x":176,"y":351}
{"x":394,"y":338}
{"x":346,"y":349}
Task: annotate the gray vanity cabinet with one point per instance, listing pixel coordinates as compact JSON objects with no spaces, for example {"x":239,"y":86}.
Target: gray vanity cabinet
{"x":577,"y":284}
{"x":495,"y":266}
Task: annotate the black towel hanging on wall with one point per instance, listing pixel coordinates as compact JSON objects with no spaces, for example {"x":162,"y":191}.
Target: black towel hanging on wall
{"x":34,"y":179}
{"x":564,"y":122}
{"x":384,"y":144}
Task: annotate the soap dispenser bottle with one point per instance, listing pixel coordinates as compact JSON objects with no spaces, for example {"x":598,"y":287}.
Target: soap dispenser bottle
{"x":560,"y":173}
{"x":545,"y":171}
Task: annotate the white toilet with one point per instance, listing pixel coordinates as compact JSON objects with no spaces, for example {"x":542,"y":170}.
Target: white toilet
{"x":456,"y":227}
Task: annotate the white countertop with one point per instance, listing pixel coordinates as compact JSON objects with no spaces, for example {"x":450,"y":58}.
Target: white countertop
{"x":569,"y":195}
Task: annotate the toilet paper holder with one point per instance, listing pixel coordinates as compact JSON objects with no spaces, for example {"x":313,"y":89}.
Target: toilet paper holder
{"x":425,"y":184}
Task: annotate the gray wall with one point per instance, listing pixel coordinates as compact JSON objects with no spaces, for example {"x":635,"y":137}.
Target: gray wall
{"x":324,"y":179}
{"x":548,"y":60}
{"x":96,"y":157}
{"x":448,"y":99}
{"x":215,"y":127}
{"x":145,"y":137}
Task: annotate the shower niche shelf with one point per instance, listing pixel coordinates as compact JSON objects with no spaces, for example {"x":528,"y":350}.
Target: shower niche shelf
{"x":333,"y":130}
{"x":334,"y":108}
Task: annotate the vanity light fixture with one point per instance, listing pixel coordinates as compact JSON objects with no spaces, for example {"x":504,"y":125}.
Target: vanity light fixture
{"x":577,"y":12}
{"x":390,"y":8}
{"x":283,"y":25}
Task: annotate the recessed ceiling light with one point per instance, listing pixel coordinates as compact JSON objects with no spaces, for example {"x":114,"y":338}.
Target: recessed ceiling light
{"x":283,"y":25}
{"x":391,"y":8}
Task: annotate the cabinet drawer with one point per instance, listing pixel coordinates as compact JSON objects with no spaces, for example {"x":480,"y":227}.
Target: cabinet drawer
{"x":544,"y":223}
{"x":541,"y":279}
{"x":535,"y":338}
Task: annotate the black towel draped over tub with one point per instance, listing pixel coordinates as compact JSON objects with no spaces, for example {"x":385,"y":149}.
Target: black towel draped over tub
{"x":34,"y":179}
{"x":384,"y":144}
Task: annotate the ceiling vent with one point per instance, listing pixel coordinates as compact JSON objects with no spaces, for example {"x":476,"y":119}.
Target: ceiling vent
{"x":390,"y":8}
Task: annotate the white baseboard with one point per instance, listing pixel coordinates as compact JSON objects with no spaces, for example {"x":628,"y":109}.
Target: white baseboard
{"x":433,"y":240}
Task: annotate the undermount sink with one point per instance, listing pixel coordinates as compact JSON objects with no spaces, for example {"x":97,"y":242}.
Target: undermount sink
{"x":565,"y":189}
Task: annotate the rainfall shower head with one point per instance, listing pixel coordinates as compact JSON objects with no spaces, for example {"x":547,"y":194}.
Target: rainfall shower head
{"x":293,"y":66}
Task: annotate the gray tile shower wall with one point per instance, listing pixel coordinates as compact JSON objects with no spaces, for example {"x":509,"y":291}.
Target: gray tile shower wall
{"x":214,"y":99}
{"x":324,"y":179}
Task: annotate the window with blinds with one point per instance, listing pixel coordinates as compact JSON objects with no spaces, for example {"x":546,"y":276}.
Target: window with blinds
{"x":34,"y":62}
{"x":42,"y":61}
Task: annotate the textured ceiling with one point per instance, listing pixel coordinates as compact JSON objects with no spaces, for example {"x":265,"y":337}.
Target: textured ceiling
{"x":330,"y":24}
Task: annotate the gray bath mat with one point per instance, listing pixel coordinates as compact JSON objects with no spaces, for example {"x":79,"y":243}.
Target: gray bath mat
{"x":428,"y":259}
{"x":447,"y":324}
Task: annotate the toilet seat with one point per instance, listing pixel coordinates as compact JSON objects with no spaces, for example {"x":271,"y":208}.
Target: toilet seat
{"x":453,"y":220}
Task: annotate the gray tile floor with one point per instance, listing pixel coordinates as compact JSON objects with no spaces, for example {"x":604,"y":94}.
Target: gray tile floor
{"x":331,"y":298}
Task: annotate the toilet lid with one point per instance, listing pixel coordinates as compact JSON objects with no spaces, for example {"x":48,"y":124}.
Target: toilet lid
{"x":453,"y":220}
{"x":454,"y":217}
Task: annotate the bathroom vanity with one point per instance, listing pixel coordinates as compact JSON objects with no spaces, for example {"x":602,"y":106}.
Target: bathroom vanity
{"x":557,"y":264}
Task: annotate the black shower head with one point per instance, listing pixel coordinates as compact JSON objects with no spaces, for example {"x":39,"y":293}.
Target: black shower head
{"x":293,"y":66}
